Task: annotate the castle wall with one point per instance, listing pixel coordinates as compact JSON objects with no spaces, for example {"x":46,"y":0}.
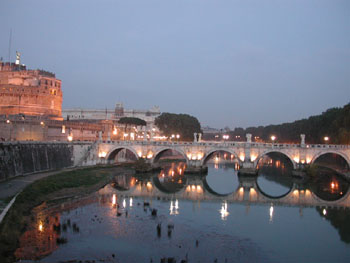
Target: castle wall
{"x":29,"y":92}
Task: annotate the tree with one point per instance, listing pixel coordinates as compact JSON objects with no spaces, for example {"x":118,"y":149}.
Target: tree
{"x":182,"y":124}
{"x":334,"y":122}
{"x":131,"y":121}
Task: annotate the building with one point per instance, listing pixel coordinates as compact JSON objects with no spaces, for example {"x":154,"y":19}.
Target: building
{"x":31,"y":109}
{"x":112,"y":114}
{"x":29,"y":92}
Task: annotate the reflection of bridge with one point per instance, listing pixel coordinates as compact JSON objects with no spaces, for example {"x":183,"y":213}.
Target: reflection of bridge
{"x":197,"y":153}
{"x":248,"y":192}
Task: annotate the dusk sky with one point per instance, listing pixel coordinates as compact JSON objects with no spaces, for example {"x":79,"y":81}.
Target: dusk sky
{"x":229,"y":63}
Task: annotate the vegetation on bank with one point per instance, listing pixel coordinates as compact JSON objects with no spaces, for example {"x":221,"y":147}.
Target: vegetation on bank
{"x":334,"y":123}
{"x":183,"y":124}
{"x":71,"y":183}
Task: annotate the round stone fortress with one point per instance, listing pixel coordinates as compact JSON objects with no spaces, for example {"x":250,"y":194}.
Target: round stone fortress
{"x":29,"y":92}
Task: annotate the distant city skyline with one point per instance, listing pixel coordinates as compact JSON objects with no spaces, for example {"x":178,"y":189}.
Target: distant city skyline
{"x":228,"y":63}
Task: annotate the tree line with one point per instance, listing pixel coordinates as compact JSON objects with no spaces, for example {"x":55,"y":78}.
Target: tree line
{"x":333,"y":123}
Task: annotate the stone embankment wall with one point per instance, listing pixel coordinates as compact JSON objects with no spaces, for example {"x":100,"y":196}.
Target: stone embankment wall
{"x":21,"y":158}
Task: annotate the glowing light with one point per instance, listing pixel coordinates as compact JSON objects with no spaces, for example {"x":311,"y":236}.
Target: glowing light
{"x":295,"y":192}
{"x":308,"y":160}
{"x":241,"y":190}
{"x":149,"y":185}
{"x":223,"y":211}
{"x":326,"y":138}
{"x":225,"y":137}
{"x":189,"y":155}
{"x":273,"y":138}
{"x":149,"y":155}
{"x":7,"y":121}
{"x":302,"y":161}
{"x":177,"y":136}
{"x":217,"y":159}
{"x":115,"y":131}
{"x":42,"y":123}
{"x":324,"y":211}
{"x":124,"y":203}
{"x":173,"y":136}
{"x":193,"y":187}
{"x":232,"y":156}
{"x":271,"y":213}
{"x":63,"y":129}
{"x":174,"y":208}
{"x":253,"y":157}
{"x":188,"y":188}
{"x":199,"y":188}
{"x":139,"y":153}
{"x":132,"y":136}
{"x":130,"y":202}
{"x":114,"y":199}
{"x":41,"y":227}
{"x":70,"y":138}
{"x":102,"y":154}
{"x":296,"y":159}
{"x":199,"y":156}
{"x":241,"y":157}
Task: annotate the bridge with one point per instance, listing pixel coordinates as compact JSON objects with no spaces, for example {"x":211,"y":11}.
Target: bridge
{"x":197,"y":153}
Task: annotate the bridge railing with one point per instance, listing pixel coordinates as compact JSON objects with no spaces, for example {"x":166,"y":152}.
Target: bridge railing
{"x":228,"y":144}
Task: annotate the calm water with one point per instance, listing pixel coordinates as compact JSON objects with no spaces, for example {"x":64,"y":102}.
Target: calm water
{"x":221,"y":217}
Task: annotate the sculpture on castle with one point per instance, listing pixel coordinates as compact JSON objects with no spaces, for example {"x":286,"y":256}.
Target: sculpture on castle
{"x":18,"y":58}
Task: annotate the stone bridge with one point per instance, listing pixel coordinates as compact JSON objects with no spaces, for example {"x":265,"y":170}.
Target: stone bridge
{"x":197,"y":153}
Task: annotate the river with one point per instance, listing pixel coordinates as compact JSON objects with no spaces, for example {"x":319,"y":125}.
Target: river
{"x":218,"y":217}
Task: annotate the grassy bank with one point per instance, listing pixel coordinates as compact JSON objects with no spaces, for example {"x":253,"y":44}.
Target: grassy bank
{"x":71,"y":183}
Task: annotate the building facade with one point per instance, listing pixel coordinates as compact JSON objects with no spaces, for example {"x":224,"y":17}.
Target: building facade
{"x":112,"y":114}
{"x":29,"y":92}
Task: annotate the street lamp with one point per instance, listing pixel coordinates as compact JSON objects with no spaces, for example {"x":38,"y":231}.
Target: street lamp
{"x":326,"y":139}
{"x":273,"y":138}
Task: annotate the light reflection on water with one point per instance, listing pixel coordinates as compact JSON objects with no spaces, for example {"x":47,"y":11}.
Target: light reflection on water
{"x":222,"y":213}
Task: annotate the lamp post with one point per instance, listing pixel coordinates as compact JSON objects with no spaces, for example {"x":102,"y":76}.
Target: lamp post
{"x":273,"y":138}
{"x":326,"y":139}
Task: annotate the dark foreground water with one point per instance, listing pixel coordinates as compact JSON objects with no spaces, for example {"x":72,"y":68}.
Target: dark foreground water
{"x":216,"y":218}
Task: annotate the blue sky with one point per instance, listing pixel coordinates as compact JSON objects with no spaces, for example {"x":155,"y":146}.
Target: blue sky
{"x":229,"y":63}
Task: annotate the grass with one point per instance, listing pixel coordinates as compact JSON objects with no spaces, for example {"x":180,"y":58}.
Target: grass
{"x":79,"y":182}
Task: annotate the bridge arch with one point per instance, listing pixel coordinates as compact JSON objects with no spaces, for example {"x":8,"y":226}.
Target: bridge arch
{"x":341,"y":154}
{"x":275,"y":151}
{"x":114,"y":151}
{"x":209,"y":153}
{"x":162,"y":150}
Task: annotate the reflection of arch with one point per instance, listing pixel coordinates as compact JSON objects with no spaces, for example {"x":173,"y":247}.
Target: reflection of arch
{"x":163,"y":189}
{"x":211,"y":152}
{"x":113,"y":153}
{"x":342,"y":198}
{"x":210,"y":190}
{"x":318,"y":155}
{"x":275,"y":151}
{"x":159,"y":153}
{"x":273,"y":197}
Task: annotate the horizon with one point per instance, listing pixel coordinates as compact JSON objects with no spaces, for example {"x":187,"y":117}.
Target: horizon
{"x":236,"y":64}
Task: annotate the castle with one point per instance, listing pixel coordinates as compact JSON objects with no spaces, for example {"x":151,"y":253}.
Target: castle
{"x":29,"y":92}
{"x":31,"y":109}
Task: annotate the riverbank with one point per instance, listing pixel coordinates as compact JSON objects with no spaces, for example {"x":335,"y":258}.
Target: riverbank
{"x":63,"y":185}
